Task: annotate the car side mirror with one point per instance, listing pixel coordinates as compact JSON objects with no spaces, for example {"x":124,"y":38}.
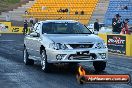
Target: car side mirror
{"x":95,"y":32}
{"x":34,"y":34}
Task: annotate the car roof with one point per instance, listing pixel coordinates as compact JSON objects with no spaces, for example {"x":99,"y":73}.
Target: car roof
{"x":58,"y":21}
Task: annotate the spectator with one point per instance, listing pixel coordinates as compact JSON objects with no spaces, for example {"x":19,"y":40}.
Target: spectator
{"x":31,"y":21}
{"x":60,"y":10}
{"x":125,"y":29}
{"x":125,"y":8}
{"x":36,"y":20}
{"x":60,"y":18}
{"x":116,"y":24}
{"x":43,"y":8}
{"x":26,"y":12}
{"x":63,"y":10}
{"x":96,"y":25}
{"x":8,"y":18}
{"x":66,"y":10}
{"x":25,"y":29}
{"x":82,"y":12}
{"x":76,"y":13}
{"x":113,"y":23}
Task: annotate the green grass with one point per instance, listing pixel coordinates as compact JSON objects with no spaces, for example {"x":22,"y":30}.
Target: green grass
{"x":5,"y":4}
{"x":10,"y":1}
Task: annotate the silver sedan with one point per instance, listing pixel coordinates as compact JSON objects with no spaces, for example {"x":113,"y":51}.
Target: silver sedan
{"x":64,"y":41}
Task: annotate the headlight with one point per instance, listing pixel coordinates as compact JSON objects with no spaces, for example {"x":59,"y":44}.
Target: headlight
{"x":100,"y":45}
{"x":58,"y":46}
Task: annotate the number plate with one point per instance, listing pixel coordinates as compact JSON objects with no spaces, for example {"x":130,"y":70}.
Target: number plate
{"x":83,"y":53}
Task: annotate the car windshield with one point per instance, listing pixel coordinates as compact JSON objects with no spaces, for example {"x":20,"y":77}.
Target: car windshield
{"x":64,"y":28}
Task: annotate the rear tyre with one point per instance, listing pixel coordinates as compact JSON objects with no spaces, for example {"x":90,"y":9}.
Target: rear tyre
{"x":27,"y":61}
{"x":99,"y":65}
{"x":45,"y":65}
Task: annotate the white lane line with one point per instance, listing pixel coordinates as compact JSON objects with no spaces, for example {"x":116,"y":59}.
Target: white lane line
{"x":7,"y":40}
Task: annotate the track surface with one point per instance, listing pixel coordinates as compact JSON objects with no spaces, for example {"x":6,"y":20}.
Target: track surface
{"x":14,"y":74}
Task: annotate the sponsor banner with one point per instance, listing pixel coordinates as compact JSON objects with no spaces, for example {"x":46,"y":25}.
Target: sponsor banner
{"x":5,"y":27}
{"x":13,"y":29}
{"x":16,"y":29}
{"x":116,"y":44}
{"x":104,"y":79}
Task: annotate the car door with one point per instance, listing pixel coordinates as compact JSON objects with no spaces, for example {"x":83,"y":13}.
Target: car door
{"x":33,"y":43}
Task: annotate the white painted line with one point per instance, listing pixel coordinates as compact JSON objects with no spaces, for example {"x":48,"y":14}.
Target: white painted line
{"x":7,"y":40}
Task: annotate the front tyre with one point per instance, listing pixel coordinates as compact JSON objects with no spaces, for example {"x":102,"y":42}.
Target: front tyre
{"x":27,"y":61}
{"x":44,"y":63}
{"x":99,"y":65}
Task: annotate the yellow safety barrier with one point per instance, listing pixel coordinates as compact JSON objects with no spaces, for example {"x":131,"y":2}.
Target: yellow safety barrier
{"x":17,"y":30}
{"x":118,"y":44}
{"x":5,"y":27}
{"x":129,"y":45}
{"x":103,"y":36}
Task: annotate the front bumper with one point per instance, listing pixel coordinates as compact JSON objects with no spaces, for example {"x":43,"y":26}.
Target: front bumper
{"x":76,"y":55}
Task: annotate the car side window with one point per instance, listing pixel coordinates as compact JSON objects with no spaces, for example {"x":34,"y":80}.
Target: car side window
{"x":47,"y":28}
